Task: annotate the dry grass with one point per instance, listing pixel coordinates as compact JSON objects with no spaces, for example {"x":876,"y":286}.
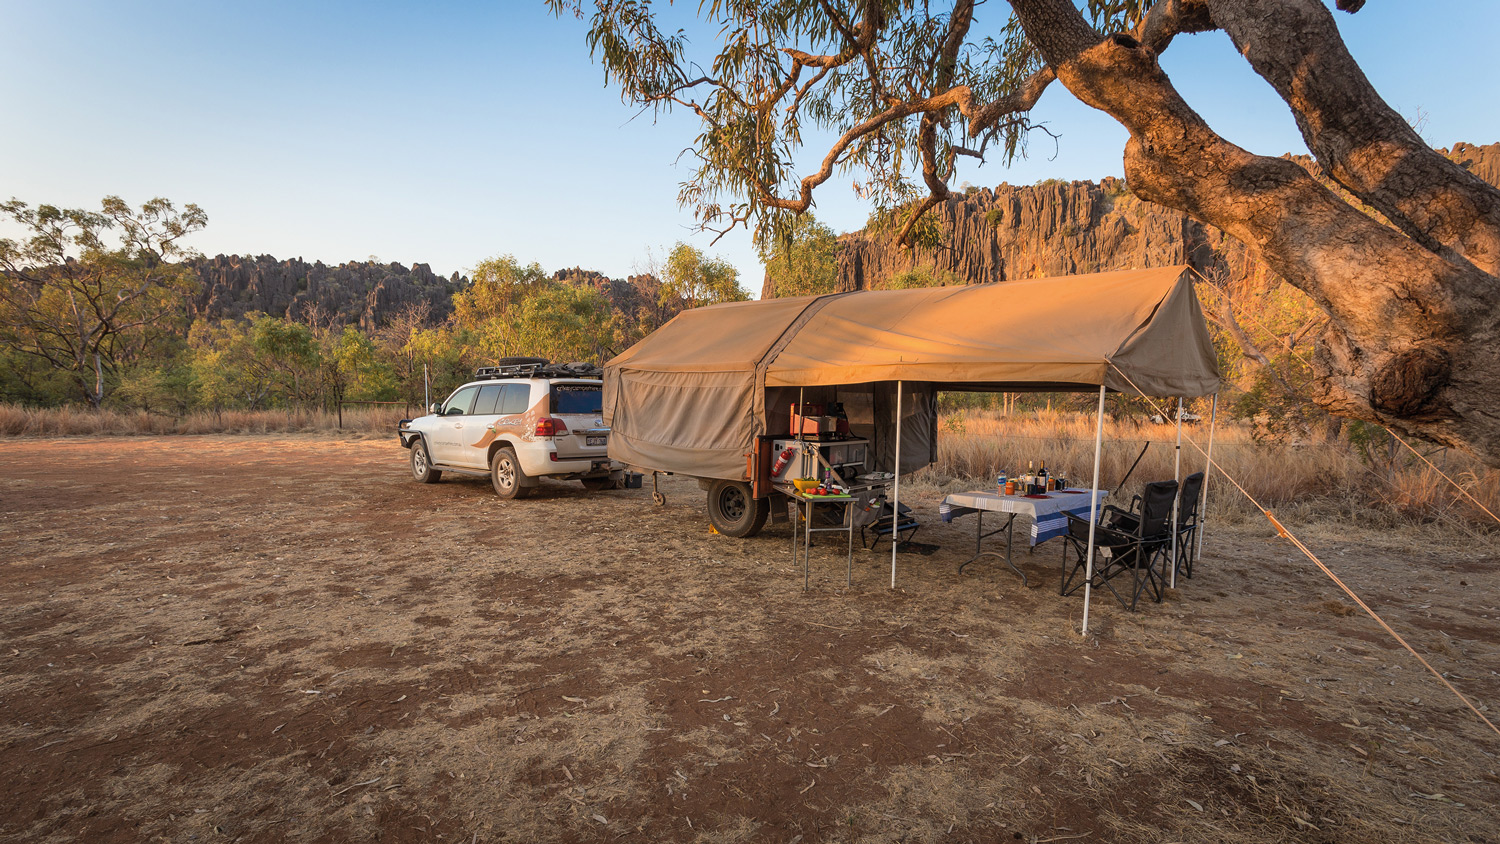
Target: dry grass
{"x":69,"y":421}
{"x":1308,"y":482}
{"x":1317,"y":481}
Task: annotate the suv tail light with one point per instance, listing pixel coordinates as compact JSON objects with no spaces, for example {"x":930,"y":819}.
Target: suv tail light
{"x":550,"y":427}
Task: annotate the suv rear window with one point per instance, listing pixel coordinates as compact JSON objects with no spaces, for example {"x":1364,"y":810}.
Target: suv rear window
{"x":577,"y":398}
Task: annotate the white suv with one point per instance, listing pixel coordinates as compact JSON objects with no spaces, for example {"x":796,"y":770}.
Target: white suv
{"x":517,"y":422}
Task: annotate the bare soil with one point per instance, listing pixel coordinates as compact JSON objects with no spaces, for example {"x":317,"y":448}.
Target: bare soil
{"x":286,"y":639}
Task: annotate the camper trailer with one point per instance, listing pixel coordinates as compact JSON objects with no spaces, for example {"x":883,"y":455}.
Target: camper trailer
{"x":721,"y":393}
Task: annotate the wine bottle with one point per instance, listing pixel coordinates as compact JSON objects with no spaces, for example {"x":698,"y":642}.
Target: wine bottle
{"x":1042,"y":476}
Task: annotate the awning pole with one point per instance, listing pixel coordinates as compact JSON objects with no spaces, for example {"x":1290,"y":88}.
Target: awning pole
{"x":896,"y":506}
{"x":1176,"y":502}
{"x":1208,"y":470}
{"x":1088,"y":569}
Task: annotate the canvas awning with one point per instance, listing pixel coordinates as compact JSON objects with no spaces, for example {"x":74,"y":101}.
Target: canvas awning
{"x":691,"y":397}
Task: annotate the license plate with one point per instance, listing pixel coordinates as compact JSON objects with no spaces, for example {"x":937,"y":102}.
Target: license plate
{"x":594,"y":440}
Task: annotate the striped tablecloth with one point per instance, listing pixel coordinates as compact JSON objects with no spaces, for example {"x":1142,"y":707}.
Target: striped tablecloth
{"x":1046,"y":511}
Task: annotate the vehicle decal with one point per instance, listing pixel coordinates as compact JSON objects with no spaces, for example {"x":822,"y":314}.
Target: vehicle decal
{"x":522,"y":427}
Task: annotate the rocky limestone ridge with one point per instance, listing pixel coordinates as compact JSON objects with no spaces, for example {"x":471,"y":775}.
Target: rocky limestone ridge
{"x":1059,"y":228}
{"x":362,"y":293}
{"x":1482,"y":161}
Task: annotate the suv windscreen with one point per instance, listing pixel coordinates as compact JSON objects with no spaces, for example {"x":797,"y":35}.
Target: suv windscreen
{"x":578,"y":398}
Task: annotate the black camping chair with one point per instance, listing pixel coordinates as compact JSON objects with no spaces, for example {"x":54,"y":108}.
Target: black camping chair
{"x":1125,"y":541}
{"x":885,"y":523}
{"x":1187,"y":522}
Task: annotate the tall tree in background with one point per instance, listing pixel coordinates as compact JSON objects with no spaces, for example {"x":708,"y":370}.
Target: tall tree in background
{"x":513,"y":310}
{"x":1412,"y":338}
{"x":86,"y":307}
{"x":698,"y":280}
{"x":802,"y":259}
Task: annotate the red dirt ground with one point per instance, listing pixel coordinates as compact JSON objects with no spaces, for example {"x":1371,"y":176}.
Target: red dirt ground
{"x":230,"y":638}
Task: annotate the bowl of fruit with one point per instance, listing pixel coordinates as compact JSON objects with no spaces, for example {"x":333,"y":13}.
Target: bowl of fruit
{"x":805,"y":484}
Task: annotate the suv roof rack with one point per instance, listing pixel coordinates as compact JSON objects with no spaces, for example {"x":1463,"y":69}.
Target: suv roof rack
{"x":537,"y":367}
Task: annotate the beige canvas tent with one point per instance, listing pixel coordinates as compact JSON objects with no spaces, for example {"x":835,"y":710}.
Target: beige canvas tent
{"x":693,"y":397}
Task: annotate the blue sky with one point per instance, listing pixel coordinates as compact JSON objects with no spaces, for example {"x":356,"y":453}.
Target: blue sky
{"x":449,"y":132}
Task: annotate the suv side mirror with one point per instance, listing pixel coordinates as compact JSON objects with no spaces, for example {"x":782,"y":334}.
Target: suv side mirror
{"x":436,"y":409}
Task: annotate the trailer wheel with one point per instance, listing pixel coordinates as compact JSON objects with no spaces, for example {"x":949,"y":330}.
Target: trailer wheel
{"x":734,"y":511}
{"x":660,"y":499}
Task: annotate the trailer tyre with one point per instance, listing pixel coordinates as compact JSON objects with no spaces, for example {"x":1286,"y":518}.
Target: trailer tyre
{"x":734,"y":511}
{"x":421,"y":464}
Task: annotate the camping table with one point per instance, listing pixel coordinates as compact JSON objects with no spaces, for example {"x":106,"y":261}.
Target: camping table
{"x":805,"y":505}
{"x":1046,"y":511}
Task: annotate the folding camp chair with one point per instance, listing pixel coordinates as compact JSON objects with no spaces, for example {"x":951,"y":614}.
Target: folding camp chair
{"x":885,"y":524}
{"x":1125,"y":541}
{"x":1187,"y":522}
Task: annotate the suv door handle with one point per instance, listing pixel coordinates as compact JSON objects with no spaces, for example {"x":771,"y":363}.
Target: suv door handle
{"x":458,"y":424}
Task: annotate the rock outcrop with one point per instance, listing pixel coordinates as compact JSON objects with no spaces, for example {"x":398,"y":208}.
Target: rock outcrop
{"x":362,"y":293}
{"x":1482,"y":161}
{"x":1058,"y":228}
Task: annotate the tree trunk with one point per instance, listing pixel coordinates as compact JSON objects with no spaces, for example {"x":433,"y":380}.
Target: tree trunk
{"x":1413,"y":333}
{"x":96,"y":397}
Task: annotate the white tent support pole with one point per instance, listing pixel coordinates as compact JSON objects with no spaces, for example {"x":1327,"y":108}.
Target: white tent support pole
{"x":1176,"y":502}
{"x":896,"y":506}
{"x":1208,"y":470}
{"x":1088,"y":569}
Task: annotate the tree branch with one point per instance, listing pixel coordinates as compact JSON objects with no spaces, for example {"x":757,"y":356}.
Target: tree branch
{"x":1022,"y":99}
{"x":1362,"y":142}
{"x":1169,"y":18}
{"x":1056,"y":28}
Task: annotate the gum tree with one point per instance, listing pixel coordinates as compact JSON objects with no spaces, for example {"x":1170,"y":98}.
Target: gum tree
{"x":88,"y":306}
{"x":1406,"y":268}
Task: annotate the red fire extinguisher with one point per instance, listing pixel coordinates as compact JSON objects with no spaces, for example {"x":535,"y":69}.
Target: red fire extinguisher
{"x":782,"y":459}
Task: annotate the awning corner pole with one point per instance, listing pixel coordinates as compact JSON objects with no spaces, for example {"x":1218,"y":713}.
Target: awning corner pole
{"x":896,"y":506}
{"x":1088,"y":569}
{"x":1176,"y":502}
{"x":1208,"y":470}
